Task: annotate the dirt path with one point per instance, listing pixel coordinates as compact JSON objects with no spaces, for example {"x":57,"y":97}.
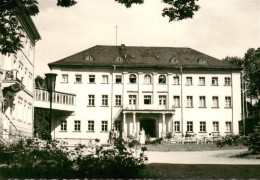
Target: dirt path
{"x":199,"y":157}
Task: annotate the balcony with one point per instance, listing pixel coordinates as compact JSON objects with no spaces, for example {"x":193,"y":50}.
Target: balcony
{"x":149,"y":108}
{"x":11,"y":83}
{"x":60,"y":101}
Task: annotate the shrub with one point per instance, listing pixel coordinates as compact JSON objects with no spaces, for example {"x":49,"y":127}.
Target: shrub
{"x":117,"y":162}
{"x":155,"y":141}
{"x":144,"y":149}
{"x":133,"y":143}
{"x":39,"y":159}
{"x":253,"y":140}
{"x":230,"y":140}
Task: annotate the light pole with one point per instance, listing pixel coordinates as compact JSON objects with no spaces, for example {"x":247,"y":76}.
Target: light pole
{"x":50,"y":79}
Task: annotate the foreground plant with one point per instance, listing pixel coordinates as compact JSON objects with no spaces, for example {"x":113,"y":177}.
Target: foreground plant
{"x":29,"y":158}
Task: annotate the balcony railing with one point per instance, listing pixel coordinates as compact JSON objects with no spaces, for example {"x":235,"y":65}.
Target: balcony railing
{"x":148,"y":107}
{"x":58,"y":97}
{"x":12,"y":75}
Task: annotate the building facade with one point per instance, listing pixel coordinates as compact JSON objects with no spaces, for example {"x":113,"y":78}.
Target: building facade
{"x":159,"y":89}
{"x":17,"y":77}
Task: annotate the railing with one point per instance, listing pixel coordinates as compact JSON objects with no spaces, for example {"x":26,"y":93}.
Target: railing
{"x":58,"y":97}
{"x":148,"y":107}
{"x":10,"y":75}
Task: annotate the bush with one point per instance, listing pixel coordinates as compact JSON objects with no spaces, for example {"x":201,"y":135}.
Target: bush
{"x":133,"y":143}
{"x":28,"y":158}
{"x":38,"y":159}
{"x":155,"y":141}
{"x":117,"y":162}
{"x":230,"y":140}
{"x":253,"y":140}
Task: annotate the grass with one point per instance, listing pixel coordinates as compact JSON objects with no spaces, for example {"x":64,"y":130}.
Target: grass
{"x":201,"y":171}
{"x":189,"y":147}
{"x":247,"y":155}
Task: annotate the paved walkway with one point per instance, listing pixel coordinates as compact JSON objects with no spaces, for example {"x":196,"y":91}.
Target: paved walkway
{"x":199,"y":157}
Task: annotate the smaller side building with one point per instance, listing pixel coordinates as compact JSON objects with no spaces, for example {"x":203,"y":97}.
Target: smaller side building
{"x":17,"y":77}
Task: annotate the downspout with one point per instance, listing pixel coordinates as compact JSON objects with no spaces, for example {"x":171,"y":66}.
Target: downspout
{"x":243,"y":102}
{"x":232,"y":99}
{"x":182,"y":132}
{"x":112,"y":87}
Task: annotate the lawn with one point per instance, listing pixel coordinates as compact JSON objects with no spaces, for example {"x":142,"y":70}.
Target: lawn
{"x":189,"y":147}
{"x":201,"y":171}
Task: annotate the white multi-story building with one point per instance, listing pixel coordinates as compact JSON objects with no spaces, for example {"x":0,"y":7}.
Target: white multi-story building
{"x":160,"y":89}
{"x":17,"y":75}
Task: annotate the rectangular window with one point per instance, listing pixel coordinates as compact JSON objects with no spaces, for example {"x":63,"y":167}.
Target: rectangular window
{"x":203,"y":126}
{"x":202,"y":101}
{"x":78,"y":78}
{"x":91,"y":126}
{"x":176,"y":100}
{"x":201,"y":81}
{"x":65,"y":78}
{"x":105,"y":79}
{"x":147,"y":99}
{"x":228,"y":126}
{"x":189,"y":81}
{"x":104,"y":100}
{"x":228,"y":102}
{"x":227,"y":81}
{"x":214,"y":81}
{"x":63,"y":125}
{"x":104,"y":126}
{"x":189,"y":101}
{"x":215,"y":126}
{"x":91,"y":78}
{"x":91,"y":100}
{"x":132,"y":99}
{"x":77,"y":125}
{"x":190,"y":126}
{"x":176,"y":80}
{"x":215,"y":101}
{"x":162,"y":100}
{"x":118,"y":100}
{"x":177,"y":126}
{"x":118,"y":79}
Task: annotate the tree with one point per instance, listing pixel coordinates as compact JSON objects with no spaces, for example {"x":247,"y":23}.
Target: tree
{"x":250,"y":64}
{"x":11,"y":37}
{"x":253,"y":141}
{"x":234,"y":60}
{"x":41,"y":116}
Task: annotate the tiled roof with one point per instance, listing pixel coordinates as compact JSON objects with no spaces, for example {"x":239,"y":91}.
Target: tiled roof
{"x":142,"y":57}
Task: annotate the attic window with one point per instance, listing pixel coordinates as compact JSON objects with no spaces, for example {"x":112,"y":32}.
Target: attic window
{"x":89,"y":58}
{"x":174,"y":60}
{"x":118,"y":59}
{"x":202,"y":61}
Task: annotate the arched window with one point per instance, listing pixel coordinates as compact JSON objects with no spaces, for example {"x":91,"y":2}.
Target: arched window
{"x":202,"y":61}
{"x":132,"y":78}
{"x":118,"y":59}
{"x":147,"y":79}
{"x":89,"y":58}
{"x":162,"y":79}
{"x":174,"y":60}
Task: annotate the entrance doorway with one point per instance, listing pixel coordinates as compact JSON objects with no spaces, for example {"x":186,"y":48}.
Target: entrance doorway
{"x":149,"y":125}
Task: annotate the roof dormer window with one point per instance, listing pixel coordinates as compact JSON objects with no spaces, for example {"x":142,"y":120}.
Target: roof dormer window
{"x":202,"y":61}
{"x":174,"y":60}
{"x":119,"y":59}
{"x":89,"y":58}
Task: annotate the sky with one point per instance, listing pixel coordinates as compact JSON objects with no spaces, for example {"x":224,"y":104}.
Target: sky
{"x":220,"y":28}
